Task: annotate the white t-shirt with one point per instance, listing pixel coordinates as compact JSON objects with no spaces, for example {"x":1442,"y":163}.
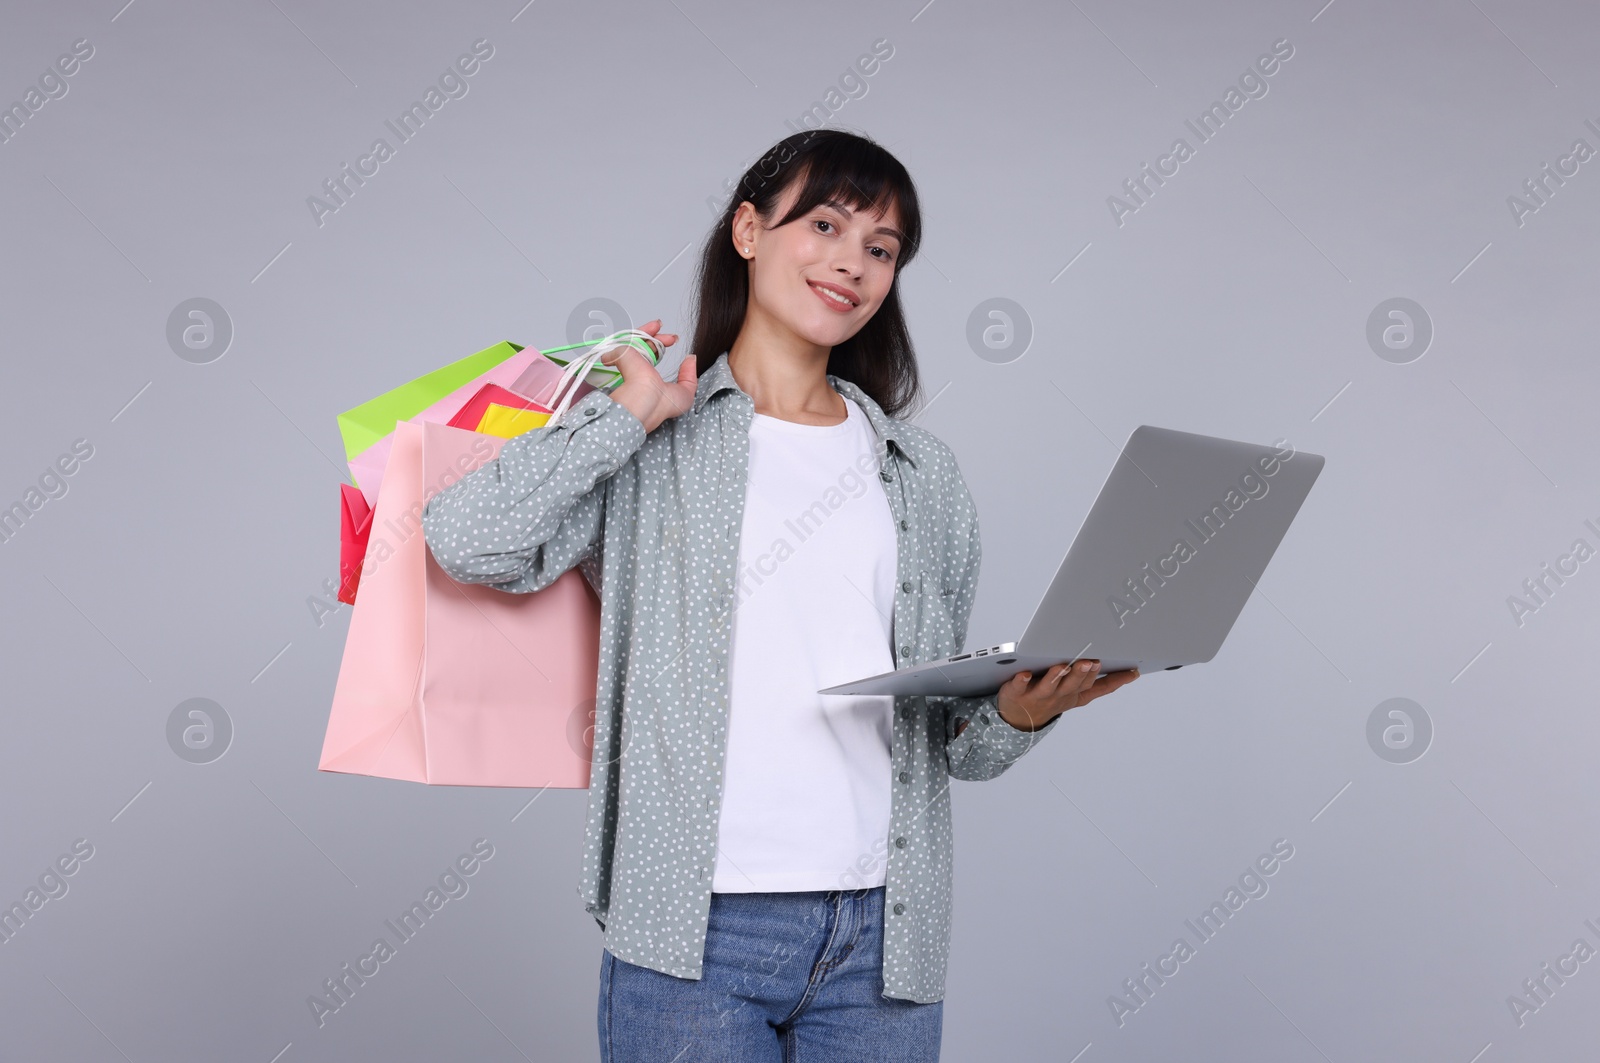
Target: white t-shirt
{"x":805,"y":802}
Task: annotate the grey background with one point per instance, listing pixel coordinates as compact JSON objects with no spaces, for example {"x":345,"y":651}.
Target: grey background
{"x":579,"y":165}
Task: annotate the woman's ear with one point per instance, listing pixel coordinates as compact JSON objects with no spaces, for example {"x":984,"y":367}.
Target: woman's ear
{"x":746,"y":223}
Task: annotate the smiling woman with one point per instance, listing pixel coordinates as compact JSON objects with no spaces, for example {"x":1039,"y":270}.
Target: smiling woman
{"x":729,"y":800}
{"x":836,"y":213}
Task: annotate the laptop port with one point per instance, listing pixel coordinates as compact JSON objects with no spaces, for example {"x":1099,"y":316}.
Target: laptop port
{"x":980,"y":653}
{"x":963,"y":657}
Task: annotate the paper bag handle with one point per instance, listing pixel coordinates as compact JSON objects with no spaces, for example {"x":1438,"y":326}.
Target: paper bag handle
{"x":578,"y":368}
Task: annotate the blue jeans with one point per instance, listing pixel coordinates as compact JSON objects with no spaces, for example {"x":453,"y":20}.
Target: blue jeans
{"x":791,"y":977}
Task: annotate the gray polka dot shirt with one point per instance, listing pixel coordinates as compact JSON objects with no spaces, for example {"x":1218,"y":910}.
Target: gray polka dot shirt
{"x":652,"y":522}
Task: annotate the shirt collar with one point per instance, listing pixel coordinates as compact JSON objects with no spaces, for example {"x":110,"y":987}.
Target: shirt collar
{"x":720,"y":378}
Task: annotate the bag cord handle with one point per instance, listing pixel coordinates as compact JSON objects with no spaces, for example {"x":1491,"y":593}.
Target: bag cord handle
{"x":578,"y":368}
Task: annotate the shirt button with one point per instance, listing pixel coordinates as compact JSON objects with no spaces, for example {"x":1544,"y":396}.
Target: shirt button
{"x":899,"y":843}
{"x":887,"y":476}
{"x":590,"y":412}
{"x":905,"y":776}
{"x":899,"y":909}
{"x":905,"y":651}
{"x":906,"y":586}
{"x":905,"y":524}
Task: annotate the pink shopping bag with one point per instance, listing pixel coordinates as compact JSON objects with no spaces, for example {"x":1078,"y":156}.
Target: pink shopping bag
{"x":455,"y":684}
{"x":528,"y":369}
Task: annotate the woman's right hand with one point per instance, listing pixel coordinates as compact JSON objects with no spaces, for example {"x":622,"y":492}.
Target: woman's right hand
{"x":643,"y":391}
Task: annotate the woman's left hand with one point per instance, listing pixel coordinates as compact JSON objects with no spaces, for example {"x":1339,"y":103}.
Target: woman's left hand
{"x":1028,"y":704}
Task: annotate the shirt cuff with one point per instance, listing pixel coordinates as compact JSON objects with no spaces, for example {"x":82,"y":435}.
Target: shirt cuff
{"x":1002,"y":741}
{"x":597,"y":414}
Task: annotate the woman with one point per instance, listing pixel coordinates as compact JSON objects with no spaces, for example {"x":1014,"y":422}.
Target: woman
{"x":770,"y":866}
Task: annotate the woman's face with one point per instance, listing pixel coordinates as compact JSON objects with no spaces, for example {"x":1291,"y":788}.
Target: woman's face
{"x":824,"y":274}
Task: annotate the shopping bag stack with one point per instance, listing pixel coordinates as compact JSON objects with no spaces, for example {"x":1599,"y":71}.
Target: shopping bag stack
{"x":447,"y":683}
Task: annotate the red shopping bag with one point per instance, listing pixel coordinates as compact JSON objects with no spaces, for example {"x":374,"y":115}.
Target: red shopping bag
{"x":472,"y":413}
{"x":355,"y":524}
{"x":455,"y":684}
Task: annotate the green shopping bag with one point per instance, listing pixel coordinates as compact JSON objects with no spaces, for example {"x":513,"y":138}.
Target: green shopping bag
{"x":364,"y":425}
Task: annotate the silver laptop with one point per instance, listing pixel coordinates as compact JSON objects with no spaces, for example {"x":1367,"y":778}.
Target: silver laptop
{"x":1158,"y":573}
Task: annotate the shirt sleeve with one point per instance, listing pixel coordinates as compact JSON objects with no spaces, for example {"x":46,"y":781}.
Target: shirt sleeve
{"x":522,"y":520}
{"x":987,"y":745}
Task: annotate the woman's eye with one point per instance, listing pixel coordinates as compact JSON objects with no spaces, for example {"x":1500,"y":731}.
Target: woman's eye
{"x":883,"y":253}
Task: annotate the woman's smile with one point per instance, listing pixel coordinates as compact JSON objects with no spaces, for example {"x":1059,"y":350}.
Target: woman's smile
{"x":837,"y":297}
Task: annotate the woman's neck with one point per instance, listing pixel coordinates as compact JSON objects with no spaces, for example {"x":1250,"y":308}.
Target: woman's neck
{"x":785,"y":374}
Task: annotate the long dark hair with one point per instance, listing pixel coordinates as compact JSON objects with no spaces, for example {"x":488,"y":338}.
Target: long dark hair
{"x":859,"y":173}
